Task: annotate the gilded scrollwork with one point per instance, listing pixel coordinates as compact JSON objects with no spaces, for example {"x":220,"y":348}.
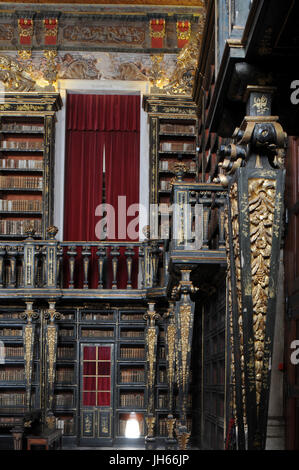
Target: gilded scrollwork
{"x":184,"y":345}
{"x":236,"y":248}
{"x":150,"y":423}
{"x":151,"y":346}
{"x":261,"y":193}
{"x":229,"y":286}
{"x":13,"y":76}
{"x":51,"y":342}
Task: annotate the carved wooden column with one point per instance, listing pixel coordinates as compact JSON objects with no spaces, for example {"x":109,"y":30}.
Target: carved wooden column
{"x":71,"y":253}
{"x":170,"y":339}
{"x":51,"y":258}
{"x":152,"y":332}
{"x":129,"y":260}
{"x":255,"y":178}
{"x":30,"y":260}
{"x":28,"y":340}
{"x":184,"y":315}
{"x":51,"y":347}
{"x":86,"y":254}
{"x":101,"y":253}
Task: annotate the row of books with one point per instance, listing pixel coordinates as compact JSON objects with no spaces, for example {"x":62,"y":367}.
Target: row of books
{"x":10,"y":315}
{"x":66,"y":423}
{"x":64,"y":375}
{"x":165,"y":165}
{"x":162,"y":426}
{"x":177,"y":128}
{"x":177,"y":146}
{"x":20,"y":205}
{"x":131,"y":375}
{"x":19,"y":227}
{"x":12,"y":374}
{"x":22,"y":145}
{"x":13,"y":351}
{"x":132,"y":399}
{"x":13,"y":127}
{"x":122,"y":424}
{"x":65,"y":352}
{"x":131,"y":334}
{"x":132,"y":316}
{"x":65,"y":332}
{"x":132,"y":353}
{"x":21,"y":182}
{"x":162,"y":375}
{"x":63,"y":399}
{"x":97,"y":316}
{"x":10,"y":332}
{"x":162,"y":401}
{"x":97,"y":333}
{"x":68,"y":316}
{"x":12,"y":399}
{"x":162,"y":353}
{"x":165,"y":185}
{"x":21,"y":164}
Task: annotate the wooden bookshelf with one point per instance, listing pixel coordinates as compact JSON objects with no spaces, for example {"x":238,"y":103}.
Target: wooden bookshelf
{"x":27,"y":139}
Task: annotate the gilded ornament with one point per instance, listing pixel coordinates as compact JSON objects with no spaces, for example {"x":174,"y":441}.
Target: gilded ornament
{"x":151,"y":344}
{"x":150,"y":423}
{"x":183,"y":439}
{"x":25,"y":54}
{"x":185,"y":323}
{"x":28,"y":353}
{"x":261,"y":104}
{"x":170,"y":423}
{"x":13,"y":76}
{"x":261,"y":195}
{"x":236,"y":248}
{"x":51,"y":342}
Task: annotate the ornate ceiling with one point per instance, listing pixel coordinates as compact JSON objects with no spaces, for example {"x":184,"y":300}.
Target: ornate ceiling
{"x":149,"y":40}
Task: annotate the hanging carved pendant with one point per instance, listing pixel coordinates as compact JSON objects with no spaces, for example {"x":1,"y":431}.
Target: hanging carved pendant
{"x":255,"y":178}
{"x":28,"y":353}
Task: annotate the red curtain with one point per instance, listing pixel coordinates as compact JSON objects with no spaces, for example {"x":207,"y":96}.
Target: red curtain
{"x":83,"y":183}
{"x":122,"y":179}
{"x":95,"y":122}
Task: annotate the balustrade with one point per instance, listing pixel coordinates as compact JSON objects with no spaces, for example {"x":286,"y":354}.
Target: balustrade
{"x":79,"y":265}
{"x":103,"y":265}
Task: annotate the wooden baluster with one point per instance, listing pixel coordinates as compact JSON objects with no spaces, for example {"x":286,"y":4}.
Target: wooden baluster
{"x":21,"y":280}
{"x":206,"y":201}
{"x":41,"y":265}
{"x":155,"y":262}
{"x":86,"y":253}
{"x":221,"y":222}
{"x":101,"y":253}
{"x":59,"y":266}
{"x":141,"y":263}
{"x":72,"y":253}
{"x":12,"y":255}
{"x":2,"y":255}
{"x":129,"y":254}
{"x":42,"y":256}
{"x":114,"y":253}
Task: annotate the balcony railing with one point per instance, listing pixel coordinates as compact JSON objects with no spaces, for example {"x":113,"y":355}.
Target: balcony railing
{"x":195,"y":235}
{"x":198,"y":217}
{"x":78,"y":265}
